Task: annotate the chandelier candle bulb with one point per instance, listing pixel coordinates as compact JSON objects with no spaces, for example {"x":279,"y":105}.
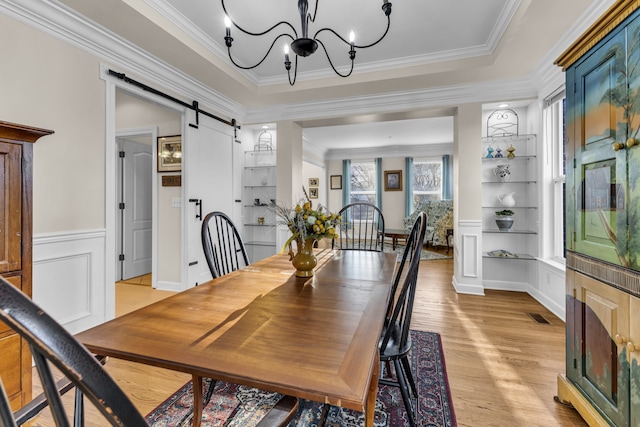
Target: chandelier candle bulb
{"x":228,"y":39}
{"x":287,"y":62}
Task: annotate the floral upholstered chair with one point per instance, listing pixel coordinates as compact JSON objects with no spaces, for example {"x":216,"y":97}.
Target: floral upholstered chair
{"x":436,"y":210}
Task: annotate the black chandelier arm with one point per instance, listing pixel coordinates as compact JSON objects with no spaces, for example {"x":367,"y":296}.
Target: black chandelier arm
{"x":315,"y":37}
{"x":331,"y":63}
{"x":295,"y":73}
{"x":260,"y":33}
{"x":264,"y":57}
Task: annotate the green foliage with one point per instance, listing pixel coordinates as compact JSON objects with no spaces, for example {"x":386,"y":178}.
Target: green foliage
{"x":505,"y":212}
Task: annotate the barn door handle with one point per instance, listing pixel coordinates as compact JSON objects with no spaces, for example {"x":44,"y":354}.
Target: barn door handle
{"x":198,"y":203}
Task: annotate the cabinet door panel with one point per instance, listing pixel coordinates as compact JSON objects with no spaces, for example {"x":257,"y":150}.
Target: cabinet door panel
{"x":10,"y":207}
{"x":633,"y":153}
{"x":17,"y":282}
{"x":10,"y":364}
{"x":634,"y":361}
{"x":600,"y":172}
{"x":600,"y":366}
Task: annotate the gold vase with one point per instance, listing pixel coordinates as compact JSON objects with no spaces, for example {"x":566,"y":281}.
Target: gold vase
{"x":304,"y":260}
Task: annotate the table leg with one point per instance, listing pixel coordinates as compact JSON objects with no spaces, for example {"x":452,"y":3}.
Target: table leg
{"x":197,"y":401}
{"x":369,"y":410}
{"x":394,"y":242}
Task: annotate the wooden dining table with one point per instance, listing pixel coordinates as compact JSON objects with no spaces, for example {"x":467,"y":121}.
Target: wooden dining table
{"x":313,"y":338}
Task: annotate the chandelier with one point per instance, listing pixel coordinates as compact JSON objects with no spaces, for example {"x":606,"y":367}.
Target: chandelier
{"x":301,"y":45}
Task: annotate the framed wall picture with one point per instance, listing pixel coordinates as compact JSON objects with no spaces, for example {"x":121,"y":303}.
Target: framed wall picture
{"x":336,"y":182}
{"x":170,"y":153}
{"x":393,"y":180}
{"x":314,"y":182}
{"x":313,"y":193}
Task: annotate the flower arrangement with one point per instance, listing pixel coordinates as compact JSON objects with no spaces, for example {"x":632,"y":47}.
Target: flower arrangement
{"x":305,"y":222}
{"x":505,"y":212}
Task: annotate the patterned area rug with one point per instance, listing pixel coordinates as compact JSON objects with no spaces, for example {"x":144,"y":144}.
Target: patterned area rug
{"x":246,"y":405}
{"x":424,"y":254}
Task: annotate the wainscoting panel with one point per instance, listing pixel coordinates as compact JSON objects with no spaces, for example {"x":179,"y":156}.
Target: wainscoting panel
{"x":467,"y":277}
{"x":550,"y":291}
{"x":69,"y":278}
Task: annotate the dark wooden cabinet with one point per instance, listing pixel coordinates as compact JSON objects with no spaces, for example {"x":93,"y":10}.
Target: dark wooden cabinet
{"x":16,"y":153}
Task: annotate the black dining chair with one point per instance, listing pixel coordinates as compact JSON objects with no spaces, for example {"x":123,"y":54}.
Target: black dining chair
{"x":361,"y":227}
{"x":51,"y":345}
{"x":395,"y":341}
{"x":223,"y":247}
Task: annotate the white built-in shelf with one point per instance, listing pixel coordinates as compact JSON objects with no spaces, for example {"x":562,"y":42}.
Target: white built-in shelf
{"x":512,"y":231}
{"x":525,"y":257}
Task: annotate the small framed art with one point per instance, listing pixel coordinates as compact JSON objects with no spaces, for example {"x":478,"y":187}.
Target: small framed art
{"x":393,"y":180}
{"x":170,"y":153}
{"x":314,"y":182}
{"x":313,"y":193}
{"x":336,"y":182}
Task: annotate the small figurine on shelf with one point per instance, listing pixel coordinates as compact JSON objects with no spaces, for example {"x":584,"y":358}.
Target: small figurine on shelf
{"x":511,"y":151}
{"x":498,"y":153}
{"x":490,"y":153}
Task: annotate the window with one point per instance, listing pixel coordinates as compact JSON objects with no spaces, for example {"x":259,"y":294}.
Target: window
{"x":363,"y":181}
{"x":555,"y":136}
{"x":427,"y":180}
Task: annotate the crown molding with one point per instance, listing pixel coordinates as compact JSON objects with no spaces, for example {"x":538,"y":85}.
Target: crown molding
{"x":67,"y":25}
{"x":166,"y":10}
{"x":396,"y":101}
{"x":547,"y":76}
{"x":424,"y":150}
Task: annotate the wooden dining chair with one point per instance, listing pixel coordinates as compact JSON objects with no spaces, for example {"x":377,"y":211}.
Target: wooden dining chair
{"x":395,"y":341}
{"x":223,"y":247}
{"x":51,"y":345}
{"x":361,"y":227}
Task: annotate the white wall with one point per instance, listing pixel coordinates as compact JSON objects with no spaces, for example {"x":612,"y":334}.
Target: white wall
{"x":49,"y":84}
{"x":334,"y":197}
{"x":312,"y":171}
{"x":393,"y":202}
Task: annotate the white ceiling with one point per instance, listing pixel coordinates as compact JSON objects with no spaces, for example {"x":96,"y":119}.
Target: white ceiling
{"x":420,"y":31}
{"x":437,"y":130}
{"x":433,"y":46}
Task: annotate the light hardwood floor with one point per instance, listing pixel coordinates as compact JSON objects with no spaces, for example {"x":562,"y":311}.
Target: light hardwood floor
{"x":501,"y":364}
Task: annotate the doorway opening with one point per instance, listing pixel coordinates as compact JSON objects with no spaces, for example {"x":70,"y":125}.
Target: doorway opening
{"x":134,"y":245}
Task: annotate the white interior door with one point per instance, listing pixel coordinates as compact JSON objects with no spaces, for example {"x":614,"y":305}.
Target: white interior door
{"x":137,"y":208}
{"x":208,"y":175}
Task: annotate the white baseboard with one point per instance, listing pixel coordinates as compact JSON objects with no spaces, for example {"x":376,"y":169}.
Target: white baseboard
{"x":170,"y":286}
{"x":553,"y":306}
{"x":499,"y":285}
{"x":468,"y":288}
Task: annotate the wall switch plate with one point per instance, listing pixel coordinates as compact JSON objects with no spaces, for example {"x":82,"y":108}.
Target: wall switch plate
{"x":176,"y":202}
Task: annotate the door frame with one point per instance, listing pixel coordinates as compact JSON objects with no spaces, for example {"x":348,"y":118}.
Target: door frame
{"x":111,"y":144}
{"x":129,"y":133}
